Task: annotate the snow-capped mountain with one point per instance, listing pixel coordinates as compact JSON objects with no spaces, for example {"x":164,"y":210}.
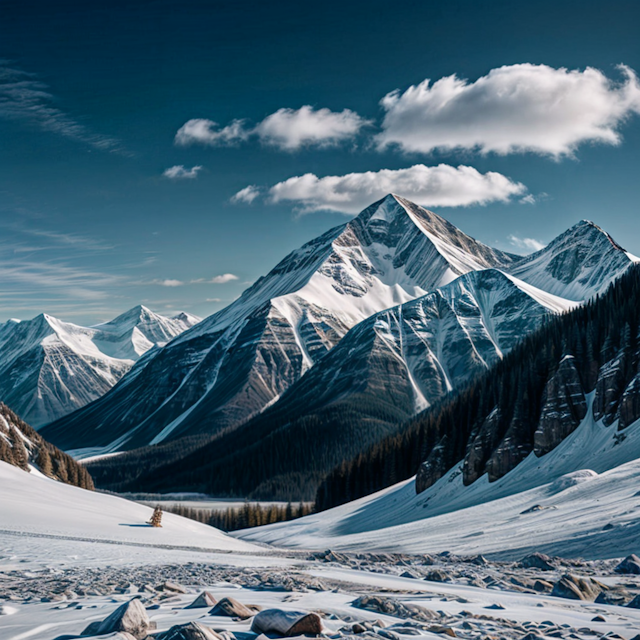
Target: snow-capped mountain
{"x":49,"y":368}
{"x":242,"y":359}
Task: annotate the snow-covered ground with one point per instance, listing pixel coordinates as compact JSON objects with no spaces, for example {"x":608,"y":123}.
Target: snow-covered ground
{"x":69,"y":557}
{"x":589,"y":482}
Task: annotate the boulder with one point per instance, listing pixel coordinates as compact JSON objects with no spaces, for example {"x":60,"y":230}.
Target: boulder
{"x":172,"y":587}
{"x":537,"y":561}
{"x":287,"y":623}
{"x":131,"y":617}
{"x":437,"y":575}
{"x":631,"y":564}
{"x":205,"y":599}
{"x":564,"y":406}
{"x":635,"y":603}
{"x":188,"y":631}
{"x":576,"y":588}
{"x":233,"y":609}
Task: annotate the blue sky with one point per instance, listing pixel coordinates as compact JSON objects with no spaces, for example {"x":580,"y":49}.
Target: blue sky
{"x":101,"y":207}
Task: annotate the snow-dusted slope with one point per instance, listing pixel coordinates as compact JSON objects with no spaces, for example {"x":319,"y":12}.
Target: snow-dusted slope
{"x":49,"y":368}
{"x":240,"y":360}
{"x":581,"y":499}
{"x":32,"y":505}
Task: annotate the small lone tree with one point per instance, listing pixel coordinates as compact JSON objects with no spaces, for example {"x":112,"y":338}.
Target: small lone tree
{"x":156,"y":518}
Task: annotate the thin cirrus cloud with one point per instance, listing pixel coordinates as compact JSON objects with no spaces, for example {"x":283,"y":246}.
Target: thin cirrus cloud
{"x":26,"y":99}
{"x":513,"y":109}
{"x":441,"y":185}
{"x":526,"y":244}
{"x":180,"y":172}
{"x":286,"y":129}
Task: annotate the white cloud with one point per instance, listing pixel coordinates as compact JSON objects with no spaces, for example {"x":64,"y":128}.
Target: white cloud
{"x":179,"y":172}
{"x":286,"y":129}
{"x":203,"y":131}
{"x":528,"y":199}
{"x":437,"y":186}
{"x":516,"y":108}
{"x":246,"y":195}
{"x":24,"y":98}
{"x":291,"y":129}
{"x":169,"y":282}
{"x":222,"y":279}
{"x":526,"y":244}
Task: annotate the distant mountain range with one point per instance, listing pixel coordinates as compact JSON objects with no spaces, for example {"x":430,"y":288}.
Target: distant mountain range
{"x":392,"y":310}
{"x":49,"y":368}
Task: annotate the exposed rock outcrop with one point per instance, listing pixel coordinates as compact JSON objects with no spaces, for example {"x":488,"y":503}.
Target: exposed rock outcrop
{"x":483,"y":444}
{"x":434,"y":467}
{"x":631,"y":564}
{"x":629,"y":407}
{"x":287,"y":623}
{"x":131,"y":617}
{"x":564,"y":406}
{"x":609,"y":389}
{"x":576,"y":588}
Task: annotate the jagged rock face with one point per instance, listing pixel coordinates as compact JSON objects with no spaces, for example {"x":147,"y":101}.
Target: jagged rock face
{"x":609,"y":389}
{"x":482,"y":445}
{"x":564,"y":406}
{"x":434,"y":467}
{"x":513,"y":449}
{"x":629,"y":407}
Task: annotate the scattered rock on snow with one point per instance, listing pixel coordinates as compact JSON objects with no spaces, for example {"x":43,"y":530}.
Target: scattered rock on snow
{"x":205,"y":599}
{"x":631,"y":564}
{"x":392,"y":607}
{"x":233,"y":609}
{"x":287,"y":623}
{"x":189,"y":631}
{"x":130,"y":617}
{"x":537,"y":561}
{"x":576,"y":588}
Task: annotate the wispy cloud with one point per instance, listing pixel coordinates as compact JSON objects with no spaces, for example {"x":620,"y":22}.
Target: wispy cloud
{"x":180,"y":172}
{"x":513,"y":109}
{"x":246,"y":195}
{"x":26,"y":99}
{"x":221,"y":279}
{"x":167,"y":282}
{"x":526,"y":244}
{"x":441,"y":185}
{"x":286,"y":129}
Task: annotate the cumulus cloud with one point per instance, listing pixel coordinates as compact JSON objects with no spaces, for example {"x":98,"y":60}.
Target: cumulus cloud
{"x":441,"y":185}
{"x":517,"y":108}
{"x":25,"y":98}
{"x":286,"y":129}
{"x":526,"y":244}
{"x":246,"y":195}
{"x":203,"y":131}
{"x":180,"y":172}
{"x":290,"y":129}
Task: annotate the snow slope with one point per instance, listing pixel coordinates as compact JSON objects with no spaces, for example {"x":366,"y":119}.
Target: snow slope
{"x":35,"y":507}
{"x":587,"y":486}
{"x":49,"y":368}
{"x":243,"y":358}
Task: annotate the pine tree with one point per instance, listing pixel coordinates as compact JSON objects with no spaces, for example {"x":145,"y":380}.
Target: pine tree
{"x":156,"y":518}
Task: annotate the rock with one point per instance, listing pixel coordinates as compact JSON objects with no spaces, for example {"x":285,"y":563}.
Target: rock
{"x":537,"y":561}
{"x":535,"y":508}
{"x":358,"y":628}
{"x":130,"y":617}
{"x":598,"y":619}
{"x":233,"y":609}
{"x":434,"y":467}
{"x":512,"y":450}
{"x":287,"y":623}
{"x":617,"y":597}
{"x":410,"y":574}
{"x":447,"y":631}
{"x":631,"y":564}
{"x":635,"y":603}
{"x":564,"y":406}
{"x":542,"y":586}
{"x":205,"y":599}
{"x":629,"y":408}
{"x":118,"y":635}
{"x":576,"y":588}
{"x":188,"y":631}
{"x":392,"y":607}
{"x":484,"y":442}
{"x":609,"y":389}
{"x":173,"y":587}
{"x":437,"y":575}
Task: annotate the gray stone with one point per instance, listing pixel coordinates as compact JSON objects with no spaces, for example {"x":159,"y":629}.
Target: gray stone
{"x":576,"y":588}
{"x":188,"y":631}
{"x":631,"y":564}
{"x":130,"y":617}
{"x":287,"y":623}
{"x":233,"y":609}
{"x":205,"y":599}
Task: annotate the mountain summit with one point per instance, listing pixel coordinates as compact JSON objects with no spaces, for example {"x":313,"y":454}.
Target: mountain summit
{"x":232,"y":365}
